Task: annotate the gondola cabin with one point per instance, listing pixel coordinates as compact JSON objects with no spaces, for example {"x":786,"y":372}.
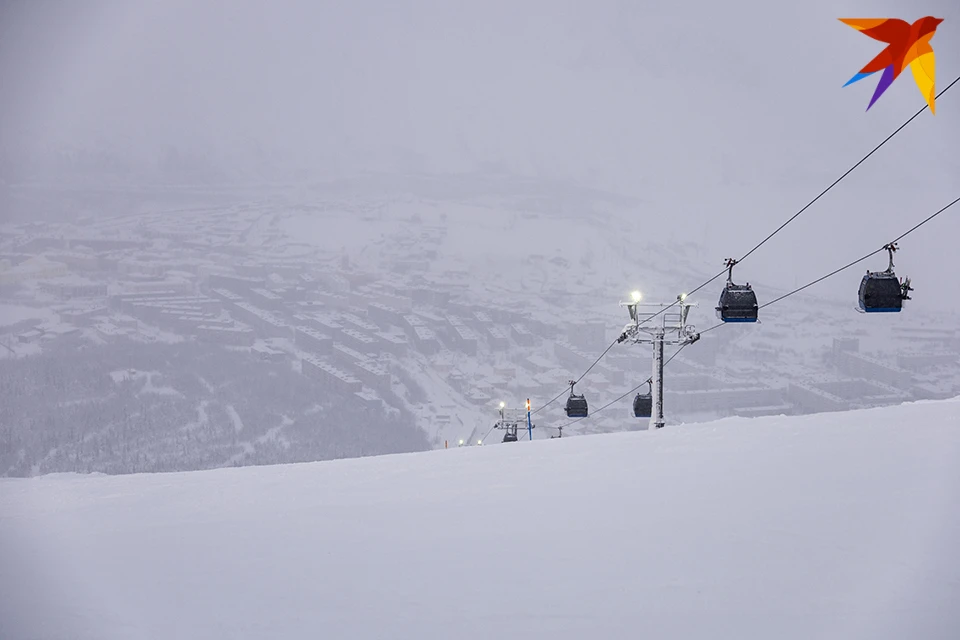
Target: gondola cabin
{"x":738,"y":303}
{"x":880,"y":293}
{"x":643,"y":405}
{"x":576,"y":405}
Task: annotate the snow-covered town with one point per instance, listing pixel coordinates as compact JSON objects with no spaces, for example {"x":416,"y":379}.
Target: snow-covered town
{"x":233,"y":334}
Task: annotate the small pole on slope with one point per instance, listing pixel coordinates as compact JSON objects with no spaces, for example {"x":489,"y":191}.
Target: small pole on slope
{"x":529,"y":423}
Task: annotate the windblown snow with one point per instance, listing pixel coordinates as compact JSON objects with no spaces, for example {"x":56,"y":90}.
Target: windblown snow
{"x":840,"y":525}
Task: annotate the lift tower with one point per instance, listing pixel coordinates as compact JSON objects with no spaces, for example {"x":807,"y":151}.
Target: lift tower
{"x":669,"y":327}
{"x":510,"y":421}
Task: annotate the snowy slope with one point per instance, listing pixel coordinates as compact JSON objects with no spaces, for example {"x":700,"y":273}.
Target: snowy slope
{"x":824,"y":526}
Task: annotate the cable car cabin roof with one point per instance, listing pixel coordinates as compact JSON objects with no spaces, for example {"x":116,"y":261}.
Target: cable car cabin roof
{"x":738,"y":296}
{"x":642,"y":405}
{"x":880,"y":292}
{"x":576,"y":407}
{"x":738,"y":303}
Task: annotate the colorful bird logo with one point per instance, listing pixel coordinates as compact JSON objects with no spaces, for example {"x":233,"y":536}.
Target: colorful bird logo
{"x":907,"y":44}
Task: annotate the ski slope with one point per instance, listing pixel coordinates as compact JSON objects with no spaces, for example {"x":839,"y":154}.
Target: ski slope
{"x":838,"y":525}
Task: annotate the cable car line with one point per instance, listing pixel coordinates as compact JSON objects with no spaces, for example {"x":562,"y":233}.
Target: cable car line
{"x":595,"y":362}
{"x":612,"y":402}
{"x":774,"y":301}
{"x":847,"y":266}
{"x":727,"y":268}
{"x":849,"y":171}
{"x":484,"y":438}
{"x":544,"y":406}
{"x":786,"y":295}
{"x":809,"y":204}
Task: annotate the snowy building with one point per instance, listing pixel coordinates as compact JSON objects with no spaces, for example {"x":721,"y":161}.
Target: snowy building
{"x":723,"y":399}
{"x":369,"y":400}
{"x":462,"y":338}
{"x":234,"y":282}
{"x":327,"y":324}
{"x":334,"y":300}
{"x":425,"y":340}
{"x":392,"y":343}
{"x":846,"y":344}
{"x":153,"y":285}
{"x":426,"y":295}
{"x":78,"y":260}
{"x":336,"y":282}
{"x":345,"y":357}
{"x":359,"y":340}
{"x":497,"y":338}
{"x":810,"y":399}
{"x":117,"y":301}
{"x":268,"y":299}
{"x":268,"y":354}
{"x":329,"y":376}
{"x":522,"y":335}
{"x":385,"y":315}
{"x":31,"y":336}
{"x":262,"y":321}
{"x":374,"y":375}
{"x":920,"y":362}
{"x":227,"y":295}
{"x":83,"y":315}
{"x":861,"y":366}
{"x":70,"y":288}
{"x":37,"y":268}
{"x":236,"y":335}
{"x":313,"y":340}
{"x":358,"y":323}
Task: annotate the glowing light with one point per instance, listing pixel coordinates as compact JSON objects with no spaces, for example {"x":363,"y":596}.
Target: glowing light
{"x":636,"y":296}
{"x":683,"y":297}
{"x":503,"y":404}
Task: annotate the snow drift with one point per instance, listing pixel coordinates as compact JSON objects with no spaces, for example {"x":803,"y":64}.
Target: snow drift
{"x":823,"y":526}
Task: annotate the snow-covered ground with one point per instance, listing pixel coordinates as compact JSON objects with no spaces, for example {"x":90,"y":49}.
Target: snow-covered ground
{"x":837,"y":525}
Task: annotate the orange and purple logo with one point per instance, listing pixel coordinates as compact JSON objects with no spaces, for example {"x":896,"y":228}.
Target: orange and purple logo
{"x":907,"y":45}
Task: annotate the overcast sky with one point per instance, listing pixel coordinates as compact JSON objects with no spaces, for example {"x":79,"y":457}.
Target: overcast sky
{"x":666,"y":100}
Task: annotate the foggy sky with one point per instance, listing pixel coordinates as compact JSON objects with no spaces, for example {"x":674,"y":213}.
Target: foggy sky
{"x":663,"y":100}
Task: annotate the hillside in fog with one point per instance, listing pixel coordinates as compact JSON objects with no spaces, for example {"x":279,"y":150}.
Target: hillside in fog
{"x":307,"y":230}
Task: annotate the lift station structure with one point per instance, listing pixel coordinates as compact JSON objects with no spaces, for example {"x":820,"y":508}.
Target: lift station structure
{"x":511,"y":420}
{"x":668,"y":327}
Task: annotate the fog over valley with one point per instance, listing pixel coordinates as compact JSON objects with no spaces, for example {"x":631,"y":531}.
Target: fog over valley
{"x":455,"y":196}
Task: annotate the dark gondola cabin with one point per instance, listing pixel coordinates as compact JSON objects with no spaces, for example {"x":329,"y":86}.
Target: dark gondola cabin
{"x":738,"y":302}
{"x":510,"y":436}
{"x":643,"y":405}
{"x":576,"y":405}
{"x":882,"y":291}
